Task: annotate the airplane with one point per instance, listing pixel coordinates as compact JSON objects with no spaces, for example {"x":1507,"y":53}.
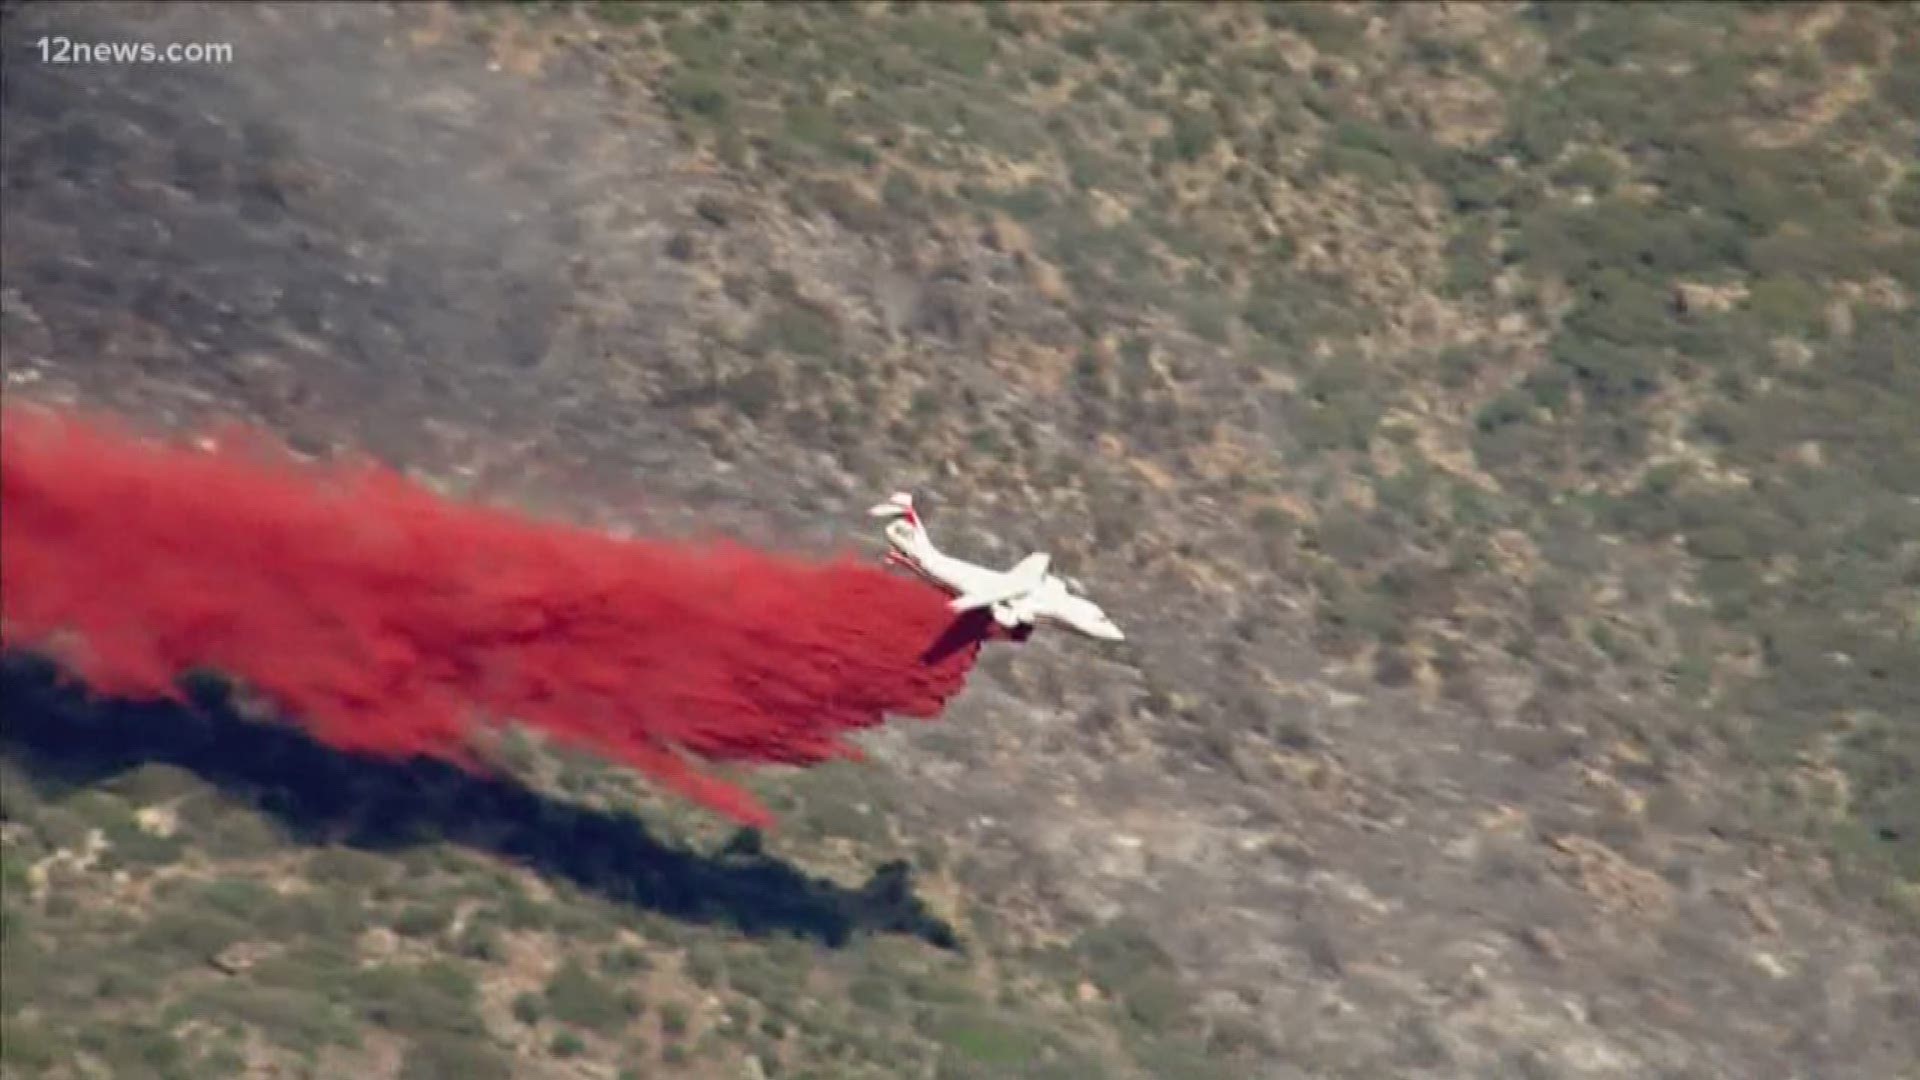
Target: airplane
{"x":1019,"y":599}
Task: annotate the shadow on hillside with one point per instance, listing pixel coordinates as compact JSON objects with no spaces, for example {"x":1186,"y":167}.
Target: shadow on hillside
{"x":323,"y":795}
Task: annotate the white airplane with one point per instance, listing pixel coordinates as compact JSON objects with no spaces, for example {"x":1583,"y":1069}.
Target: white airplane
{"x":1019,"y":598}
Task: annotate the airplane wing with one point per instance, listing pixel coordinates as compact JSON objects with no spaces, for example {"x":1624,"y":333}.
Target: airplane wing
{"x":1022,"y":579}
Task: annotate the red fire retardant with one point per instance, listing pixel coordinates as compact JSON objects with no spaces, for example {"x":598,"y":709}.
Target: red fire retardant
{"x":387,"y":619}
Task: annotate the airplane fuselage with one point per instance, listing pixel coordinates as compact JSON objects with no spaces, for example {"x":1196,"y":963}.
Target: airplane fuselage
{"x":913,"y":550}
{"x":1028,"y":595}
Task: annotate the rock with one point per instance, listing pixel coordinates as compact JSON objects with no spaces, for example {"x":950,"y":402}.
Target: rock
{"x":242,"y":956}
{"x":1544,"y":942}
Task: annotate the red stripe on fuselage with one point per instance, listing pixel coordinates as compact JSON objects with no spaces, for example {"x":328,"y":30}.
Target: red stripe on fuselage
{"x":901,"y":558}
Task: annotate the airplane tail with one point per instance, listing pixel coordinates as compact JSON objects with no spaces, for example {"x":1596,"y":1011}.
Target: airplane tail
{"x":906,"y":533}
{"x":898,"y":505}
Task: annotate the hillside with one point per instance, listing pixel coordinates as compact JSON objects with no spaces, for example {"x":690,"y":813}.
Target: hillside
{"x":1492,"y":424}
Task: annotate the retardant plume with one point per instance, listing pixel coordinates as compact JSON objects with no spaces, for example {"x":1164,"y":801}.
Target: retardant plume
{"x":390,"y":620}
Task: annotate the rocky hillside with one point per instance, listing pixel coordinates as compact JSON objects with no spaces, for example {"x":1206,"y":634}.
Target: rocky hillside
{"x":1492,"y":424}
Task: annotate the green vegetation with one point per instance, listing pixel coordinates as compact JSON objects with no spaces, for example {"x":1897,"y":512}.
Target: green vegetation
{"x":1805,"y":560}
{"x":985,"y":1040}
{"x":1706,"y":251}
{"x":575,"y":996}
{"x":1699,"y":245}
{"x":439,"y":1056}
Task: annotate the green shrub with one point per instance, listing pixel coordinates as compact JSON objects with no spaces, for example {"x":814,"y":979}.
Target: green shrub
{"x":1117,"y":952}
{"x":30,"y":1046}
{"x":1785,"y":304}
{"x":984,"y":1039}
{"x":348,"y":867}
{"x":566,"y":1044}
{"x":704,"y":965}
{"x":947,"y":44}
{"x":480,"y":940}
{"x":673,"y":1019}
{"x":874,"y":993}
{"x":241,"y":898}
{"x":438,"y":1056}
{"x":153,"y":783}
{"x":1156,"y":1002}
{"x":190,"y":933}
{"x":1590,"y":169}
{"x":1326,"y":27}
{"x":423,"y":920}
{"x":1193,"y":136}
{"x":131,"y":1048}
{"x":1900,"y":81}
{"x":433,"y":998}
{"x":1470,"y":264}
{"x":625,"y":960}
{"x":699,"y":95}
{"x":1337,"y":409}
{"x":801,"y":329}
{"x":1905,"y":200}
{"x":131,"y":845}
{"x":576,"y":996}
{"x":301,"y":1020}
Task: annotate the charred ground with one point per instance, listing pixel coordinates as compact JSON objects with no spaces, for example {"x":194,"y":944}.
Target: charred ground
{"x":1492,"y":425}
